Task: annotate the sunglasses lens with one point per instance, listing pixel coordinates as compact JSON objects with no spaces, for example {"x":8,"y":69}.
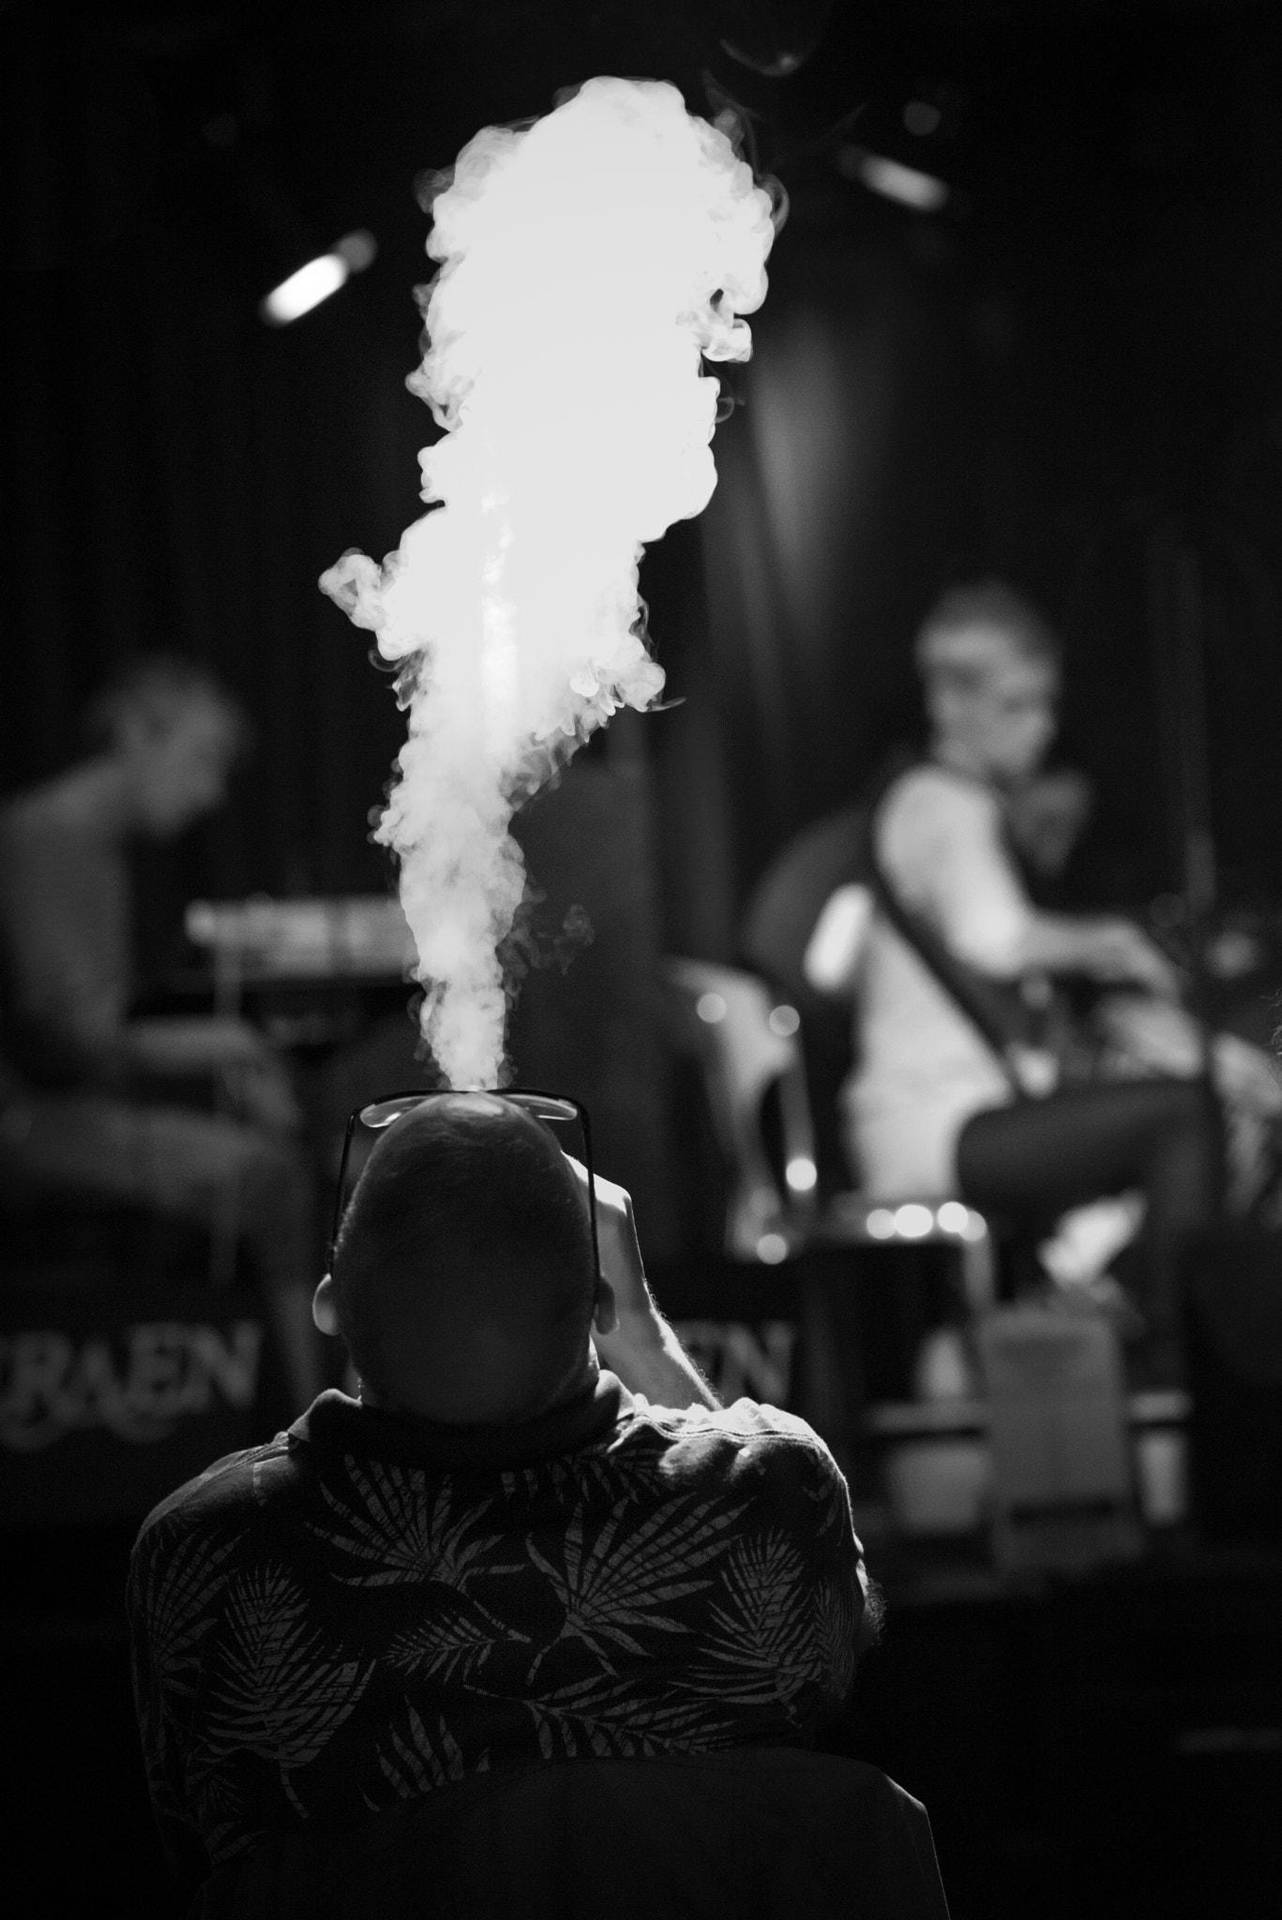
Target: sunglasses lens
{"x":381,"y":1113}
{"x":544,"y":1106}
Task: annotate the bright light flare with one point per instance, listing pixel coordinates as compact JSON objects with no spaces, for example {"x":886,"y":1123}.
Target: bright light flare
{"x":913,"y":1222}
{"x":909,"y":186}
{"x":318,"y":279}
{"x":589,"y":263}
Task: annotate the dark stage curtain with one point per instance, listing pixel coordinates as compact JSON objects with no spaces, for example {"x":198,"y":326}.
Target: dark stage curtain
{"x":180,"y":475}
{"x":926,"y":398}
{"x":839,"y":509}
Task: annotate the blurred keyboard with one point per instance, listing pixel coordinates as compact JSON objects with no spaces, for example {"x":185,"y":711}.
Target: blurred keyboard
{"x":343,"y":937}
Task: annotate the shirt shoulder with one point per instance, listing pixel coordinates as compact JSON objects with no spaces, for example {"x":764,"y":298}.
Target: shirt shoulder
{"x":227,"y":1494}
{"x":930,"y":799}
{"x":52,"y":860}
{"x":745,"y":1419}
{"x":942,"y":842}
{"x":30,"y":831}
{"x":764,"y":1472}
{"x":747,"y":1438}
{"x":39,"y":814}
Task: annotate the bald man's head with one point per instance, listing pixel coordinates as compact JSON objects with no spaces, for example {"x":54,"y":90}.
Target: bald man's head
{"x":463,"y":1280}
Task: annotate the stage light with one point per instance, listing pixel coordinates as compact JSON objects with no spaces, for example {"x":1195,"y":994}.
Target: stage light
{"x":922,"y":192}
{"x":319,"y":279}
{"x":881,"y":1224}
{"x":801,"y":1174}
{"x":773,"y":37}
{"x":772,"y":1249}
{"x":913,"y":1222}
{"x":711,"y":1008}
{"x":784,"y":1020}
{"x":953,"y":1217}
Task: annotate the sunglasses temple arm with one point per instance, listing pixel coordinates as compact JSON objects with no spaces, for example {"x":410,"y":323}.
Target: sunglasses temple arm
{"x":338,"y":1195}
{"x":586,"y":1127}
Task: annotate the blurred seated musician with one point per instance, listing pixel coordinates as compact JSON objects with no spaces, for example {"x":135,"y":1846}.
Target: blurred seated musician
{"x":95,"y":1103}
{"x":535,"y":1536}
{"x":933,"y":1104}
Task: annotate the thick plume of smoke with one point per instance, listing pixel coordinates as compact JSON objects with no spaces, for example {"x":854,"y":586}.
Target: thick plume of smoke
{"x":589,"y":263}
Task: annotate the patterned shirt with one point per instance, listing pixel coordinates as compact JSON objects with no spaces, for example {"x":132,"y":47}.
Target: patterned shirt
{"x":369,"y":1607}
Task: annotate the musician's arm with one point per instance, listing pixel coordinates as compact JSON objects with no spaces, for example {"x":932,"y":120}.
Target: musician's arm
{"x":940,"y":844}
{"x":973,"y":892}
{"x":1104,"y":948}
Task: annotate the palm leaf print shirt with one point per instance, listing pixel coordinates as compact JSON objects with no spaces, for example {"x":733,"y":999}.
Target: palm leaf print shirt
{"x":370,"y":1606}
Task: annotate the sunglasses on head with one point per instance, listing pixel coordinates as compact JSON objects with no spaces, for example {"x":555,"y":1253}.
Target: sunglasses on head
{"x":566,"y":1119}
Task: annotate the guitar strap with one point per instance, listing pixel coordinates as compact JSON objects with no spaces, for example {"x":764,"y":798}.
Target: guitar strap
{"x":981,"y":1004}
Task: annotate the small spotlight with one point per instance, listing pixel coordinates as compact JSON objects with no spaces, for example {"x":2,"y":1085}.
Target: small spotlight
{"x":913,"y":1222}
{"x":784,"y":1020}
{"x":893,"y":181}
{"x":318,"y":279}
{"x":801,"y":1174}
{"x":772,"y":1249}
{"x":711,"y":1008}
{"x":953,"y":1217}
{"x":880,"y":1224}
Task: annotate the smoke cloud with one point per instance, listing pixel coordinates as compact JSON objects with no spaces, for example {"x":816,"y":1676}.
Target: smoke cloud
{"x":589,"y":263}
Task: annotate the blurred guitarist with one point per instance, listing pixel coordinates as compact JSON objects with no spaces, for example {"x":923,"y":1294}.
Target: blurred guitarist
{"x":949,"y":961}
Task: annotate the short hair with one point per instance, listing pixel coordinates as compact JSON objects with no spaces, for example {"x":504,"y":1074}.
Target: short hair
{"x":161,"y":689}
{"x":956,"y":641}
{"x":464,"y":1219}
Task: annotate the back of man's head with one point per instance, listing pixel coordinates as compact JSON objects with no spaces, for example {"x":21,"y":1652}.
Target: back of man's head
{"x":463,"y":1281}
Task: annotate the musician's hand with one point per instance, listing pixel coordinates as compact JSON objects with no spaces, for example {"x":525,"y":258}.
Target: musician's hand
{"x":1120,"y":953}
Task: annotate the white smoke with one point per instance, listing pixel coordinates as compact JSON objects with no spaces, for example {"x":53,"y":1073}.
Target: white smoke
{"x":588,"y":262}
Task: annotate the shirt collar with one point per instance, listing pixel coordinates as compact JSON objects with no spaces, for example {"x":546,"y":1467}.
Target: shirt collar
{"x":335,"y":1423}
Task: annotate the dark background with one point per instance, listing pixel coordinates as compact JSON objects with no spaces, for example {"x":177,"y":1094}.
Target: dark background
{"x":1076,"y":356}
